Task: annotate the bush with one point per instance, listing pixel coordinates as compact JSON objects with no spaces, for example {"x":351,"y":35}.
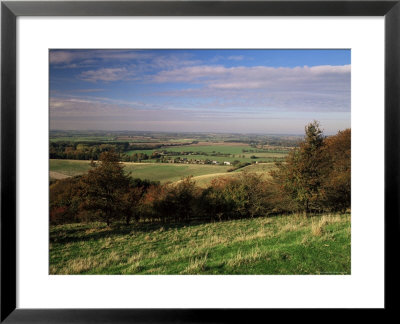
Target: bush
{"x":178,"y":202}
{"x":65,"y":201}
{"x":229,"y":198}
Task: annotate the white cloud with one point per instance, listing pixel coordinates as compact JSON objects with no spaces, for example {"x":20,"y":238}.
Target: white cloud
{"x":95,"y":107}
{"x":236,"y":57}
{"x":88,"y":90}
{"x":317,"y":88}
{"x":90,"y":56}
{"x":211,"y":94}
{"x":265,"y":75}
{"x":106,"y":74}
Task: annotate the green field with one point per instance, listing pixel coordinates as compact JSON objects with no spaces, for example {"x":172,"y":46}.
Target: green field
{"x":234,"y":152}
{"x":224,"y":149}
{"x":163,"y":172}
{"x":263,"y":168}
{"x":273,"y":245}
{"x":69,"y":167}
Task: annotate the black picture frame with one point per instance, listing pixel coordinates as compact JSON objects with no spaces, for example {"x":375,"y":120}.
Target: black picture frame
{"x":10,"y":10}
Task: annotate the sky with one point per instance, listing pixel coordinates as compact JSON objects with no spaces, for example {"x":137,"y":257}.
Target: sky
{"x":225,"y":91}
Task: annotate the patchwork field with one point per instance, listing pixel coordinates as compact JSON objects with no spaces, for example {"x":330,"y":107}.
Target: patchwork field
{"x":163,"y":172}
{"x":274,"y":245}
{"x":82,"y":139}
{"x":220,"y":152}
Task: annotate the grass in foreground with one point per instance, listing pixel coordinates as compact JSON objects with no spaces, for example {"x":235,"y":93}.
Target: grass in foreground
{"x":274,"y":245}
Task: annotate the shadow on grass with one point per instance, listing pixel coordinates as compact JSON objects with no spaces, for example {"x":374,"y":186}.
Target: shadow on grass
{"x":96,"y":231}
{"x":80,"y":233}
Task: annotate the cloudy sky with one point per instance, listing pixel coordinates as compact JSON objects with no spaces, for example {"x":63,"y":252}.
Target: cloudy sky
{"x":242,"y":91}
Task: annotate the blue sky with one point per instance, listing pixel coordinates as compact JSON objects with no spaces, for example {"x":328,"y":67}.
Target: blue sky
{"x":241,"y":91}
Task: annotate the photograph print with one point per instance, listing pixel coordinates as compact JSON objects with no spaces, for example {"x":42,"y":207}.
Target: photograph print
{"x":200,"y":161}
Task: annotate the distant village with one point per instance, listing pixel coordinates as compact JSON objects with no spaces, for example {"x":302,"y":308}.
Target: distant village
{"x":196,"y":161}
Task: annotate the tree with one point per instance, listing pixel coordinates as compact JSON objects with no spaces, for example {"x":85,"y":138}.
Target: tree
{"x":104,"y":186}
{"x":178,"y":201}
{"x":131,"y":201}
{"x":64,"y":200}
{"x":302,"y":175}
{"x":229,"y":198}
{"x":133,"y":198}
{"x":337,"y":186}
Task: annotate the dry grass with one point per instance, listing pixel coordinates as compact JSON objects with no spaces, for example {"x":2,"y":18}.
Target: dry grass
{"x":253,"y":236}
{"x":136,"y":257}
{"x":196,"y":265}
{"x":113,"y":258}
{"x":80,"y":265}
{"x":317,"y":228}
{"x":282,"y":244}
{"x":241,"y":258}
{"x":133,"y":268}
{"x":291,"y":226}
{"x":57,"y":175}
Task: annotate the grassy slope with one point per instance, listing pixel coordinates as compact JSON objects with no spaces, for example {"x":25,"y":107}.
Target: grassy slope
{"x":263,"y":168}
{"x":69,"y":167}
{"x":276,"y":245}
{"x":164,"y":172}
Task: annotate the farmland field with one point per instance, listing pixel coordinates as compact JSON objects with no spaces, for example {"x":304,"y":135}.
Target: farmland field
{"x":220,"y":152}
{"x":163,"y":172}
{"x":83,"y":139}
{"x":69,"y":167}
{"x":224,"y":149}
{"x":273,"y":245}
{"x":262,"y":169}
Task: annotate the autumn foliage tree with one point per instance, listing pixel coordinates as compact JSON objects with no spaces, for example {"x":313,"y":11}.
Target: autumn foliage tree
{"x":104,"y":187}
{"x":132,"y":199}
{"x":316,"y":176}
{"x":64,"y":201}
{"x":178,"y":202}
{"x":302,"y":175}
{"x":337,"y":186}
{"x":247,"y":195}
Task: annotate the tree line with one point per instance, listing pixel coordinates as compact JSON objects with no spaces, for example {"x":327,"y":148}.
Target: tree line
{"x":91,"y":150}
{"x":315,"y":177}
{"x":84,"y":150}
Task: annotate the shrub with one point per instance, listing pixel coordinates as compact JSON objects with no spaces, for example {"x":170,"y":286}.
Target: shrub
{"x":65,"y":201}
{"x":178,"y":202}
{"x":229,"y":198}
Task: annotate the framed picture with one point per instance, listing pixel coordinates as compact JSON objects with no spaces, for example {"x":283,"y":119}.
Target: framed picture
{"x":151,"y":86}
